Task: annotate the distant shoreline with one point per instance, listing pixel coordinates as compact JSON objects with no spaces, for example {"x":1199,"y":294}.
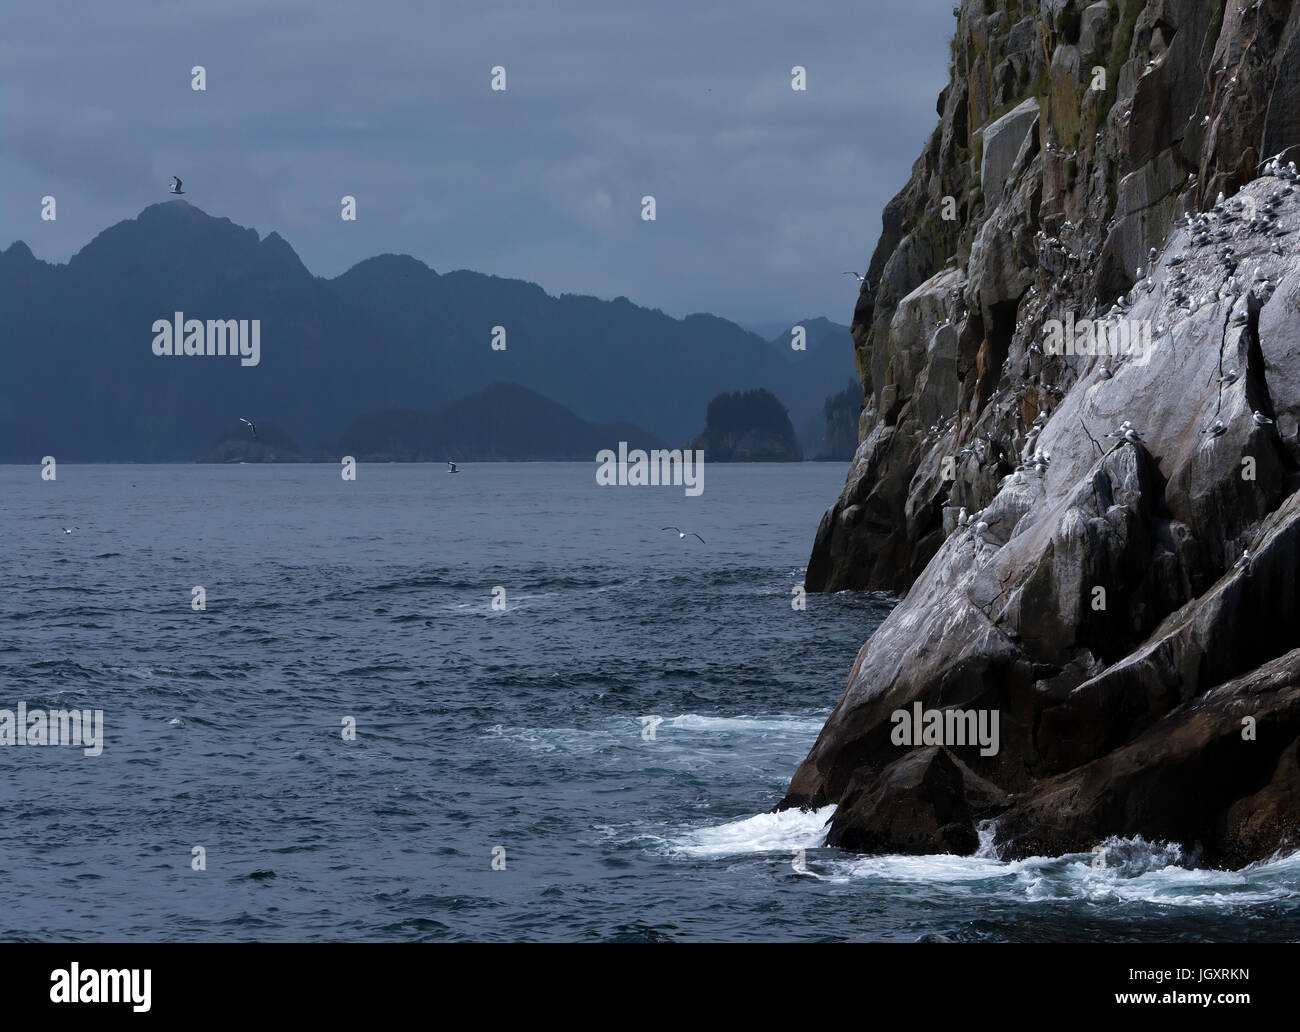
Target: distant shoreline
{"x":396,"y":462}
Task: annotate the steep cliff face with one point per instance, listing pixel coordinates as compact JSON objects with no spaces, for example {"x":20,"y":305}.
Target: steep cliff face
{"x":1081,"y":581}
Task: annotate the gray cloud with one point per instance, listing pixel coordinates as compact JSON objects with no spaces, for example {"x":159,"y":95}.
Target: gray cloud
{"x":764,"y":194}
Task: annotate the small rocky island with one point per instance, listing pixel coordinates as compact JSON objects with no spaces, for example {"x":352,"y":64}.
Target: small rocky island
{"x":748,"y":426}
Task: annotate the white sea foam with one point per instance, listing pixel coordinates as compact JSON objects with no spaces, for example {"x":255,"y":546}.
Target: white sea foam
{"x":670,"y":731}
{"x":783,"y":724}
{"x":763,"y":833}
{"x":575,"y":740}
{"x":1122,"y":871}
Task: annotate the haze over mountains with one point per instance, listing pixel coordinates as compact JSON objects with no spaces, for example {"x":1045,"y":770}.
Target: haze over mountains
{"x":501,"y":422}
{"x":83,"y":383}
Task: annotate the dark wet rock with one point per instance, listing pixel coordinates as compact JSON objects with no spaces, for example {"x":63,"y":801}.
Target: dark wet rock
{"x":1191,"y":776}
{"x":916,"y":805}
{"x":1082,"y":585}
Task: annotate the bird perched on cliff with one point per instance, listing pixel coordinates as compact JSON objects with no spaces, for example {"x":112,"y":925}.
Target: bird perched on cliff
{"x":681,"y":534}
{"x":1105,"y":373}
{"x":251,"y":425}
{"x":1217,"y":430}
{"x":1273,"y":166}
{"x":1230,"y":377}
{"x":962,"y":518}
{"x":1244,"y":562}
{"x":1131,"y":436}
{"x":1262,"y":420}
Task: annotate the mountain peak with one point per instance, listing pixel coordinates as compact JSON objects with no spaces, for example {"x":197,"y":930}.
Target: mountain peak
{"x":388,"y":270}
{"x":174,"y":211}
{"x":18,"y":250}
{"x":277,"y":247}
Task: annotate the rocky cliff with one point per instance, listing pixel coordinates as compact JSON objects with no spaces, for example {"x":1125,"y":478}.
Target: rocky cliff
{"x":1079,"y":341}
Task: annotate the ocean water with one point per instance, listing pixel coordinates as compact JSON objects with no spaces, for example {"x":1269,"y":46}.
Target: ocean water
{"x":516,"y":736}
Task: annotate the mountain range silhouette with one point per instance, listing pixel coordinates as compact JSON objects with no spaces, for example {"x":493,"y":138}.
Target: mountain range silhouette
{"x":389,"y":334}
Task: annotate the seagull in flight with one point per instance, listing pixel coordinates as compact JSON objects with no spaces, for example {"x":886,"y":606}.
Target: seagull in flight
{"x":251,"y":425}
{"x":452,"y":467}
{"x":68,"y":530}
{"x":681,"y":534}
{"x":176,"y":186}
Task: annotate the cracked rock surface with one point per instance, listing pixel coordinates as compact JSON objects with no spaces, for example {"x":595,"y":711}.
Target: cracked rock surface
{"x":1097,"y":532}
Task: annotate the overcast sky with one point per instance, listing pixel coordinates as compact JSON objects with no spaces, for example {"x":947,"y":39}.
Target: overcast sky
{"x":764,"y":195}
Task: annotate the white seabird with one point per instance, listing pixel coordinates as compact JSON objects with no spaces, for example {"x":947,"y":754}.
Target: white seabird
{"x":176,"y":186}
{"x":681,"y":534}
{"x":251,"y":425}
{"x":452,"y":467}
{"x":1262,"y":420}
{"x":1244,"y":562}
